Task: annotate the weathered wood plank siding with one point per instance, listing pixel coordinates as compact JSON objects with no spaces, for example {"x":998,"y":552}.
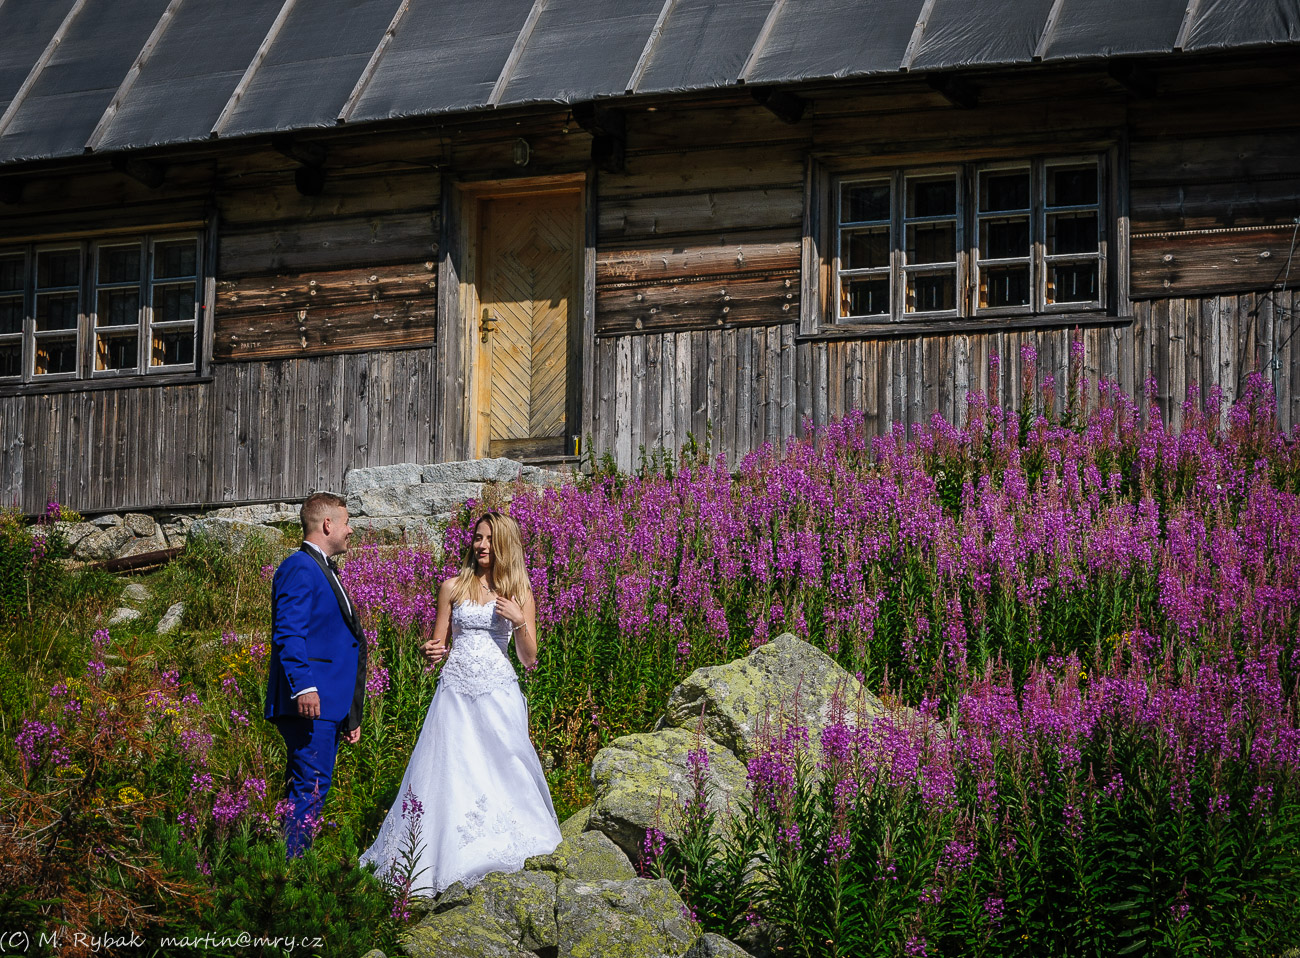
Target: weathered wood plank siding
{"x":255,"y":431}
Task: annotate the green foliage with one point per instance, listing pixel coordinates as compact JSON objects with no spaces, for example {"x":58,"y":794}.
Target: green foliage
{"x":29,"y":564}
{"x":323,"y":897}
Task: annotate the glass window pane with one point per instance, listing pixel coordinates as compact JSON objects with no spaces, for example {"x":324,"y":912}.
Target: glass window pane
{"x":175,"y":258}
{"x":1004,"y":286}
{"x":58,"y":267}
{"x":1004,"y":190}
{"x":927,"y":292}
{"x":1004,"y":238}
{"x":1072,"y":186}
{"x":11,"y":273}
{"x":11,"y":314}
{"x":1072,"y":233}
{"x":173,"y":347}
{"x":118,"y":307}
{"x":117,"y":351}
{"x":864,"y":202}
{"x":119,"y":264}
{"x":932,"y":243}
{"x":932,"y":197}
{"x":11,"y":359}
{"x":56,"y":311}
{"x":1072,"y":283}
{"x":865,"y":249}
{"x":173,"y":303}
{"x":865,"y":297}
{"x":56,"y":356}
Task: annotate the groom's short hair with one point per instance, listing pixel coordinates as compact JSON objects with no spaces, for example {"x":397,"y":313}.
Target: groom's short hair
{"x":317,"y":506}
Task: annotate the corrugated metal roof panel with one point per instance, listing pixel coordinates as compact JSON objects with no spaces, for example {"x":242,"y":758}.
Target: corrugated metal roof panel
{"x":835,"y":38}
{"x":303,"y":59}
{"x":599,"y":44}
{"x":64,"y":105}
{"x":1232,"y":23}
{"x":197,"y":62}
{"x":27,"y":30}
{"x":1089,"y":28}
{"x":311,"y":66}
{"x":957,"y":32}
{"x":444,"y":56}
{"x":703,"y":44}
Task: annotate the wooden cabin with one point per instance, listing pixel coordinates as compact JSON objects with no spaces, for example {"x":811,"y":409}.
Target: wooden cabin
{"x":245,"y":246}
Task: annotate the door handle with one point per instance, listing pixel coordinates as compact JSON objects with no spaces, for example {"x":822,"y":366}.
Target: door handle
{"x":485,"y":324}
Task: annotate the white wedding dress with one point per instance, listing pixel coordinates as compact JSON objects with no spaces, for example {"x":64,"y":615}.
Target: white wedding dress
{"x":485,"y":803}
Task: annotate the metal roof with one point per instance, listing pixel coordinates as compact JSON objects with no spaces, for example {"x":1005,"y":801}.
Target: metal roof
{"x":84,"y":76}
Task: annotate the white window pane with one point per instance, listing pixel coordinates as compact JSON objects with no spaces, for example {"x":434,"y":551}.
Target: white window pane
{"x":11,"y":314}
{"x":56,"y":311}
{"x":11,"y":358}
{"x":175,"y":258}
{"x":865,"y":248}
{"x":932,"y":243}
{"x":1004,"y":190}
{"x":1072,"y":283}
{"x":1004,"y":286}
{"x":864,"y":202}
{"x":1072,"y":233}
{"x":1004,"y":237}
{"x":931,"y":292}
{"x":58,"y":268}
{"x":932,"y":196}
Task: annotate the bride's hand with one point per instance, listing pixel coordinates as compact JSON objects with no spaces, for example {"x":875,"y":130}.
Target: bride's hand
{"x":434,"y":651}
{"x":509,"y":609}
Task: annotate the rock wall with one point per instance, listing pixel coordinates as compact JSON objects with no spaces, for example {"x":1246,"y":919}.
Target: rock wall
{"x":408,"y":498}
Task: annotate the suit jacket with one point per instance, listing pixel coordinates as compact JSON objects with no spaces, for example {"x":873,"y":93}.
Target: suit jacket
{"x":314,"y":641}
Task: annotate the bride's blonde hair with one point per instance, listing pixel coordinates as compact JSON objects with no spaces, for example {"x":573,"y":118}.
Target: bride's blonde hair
{"x":509,"y":576}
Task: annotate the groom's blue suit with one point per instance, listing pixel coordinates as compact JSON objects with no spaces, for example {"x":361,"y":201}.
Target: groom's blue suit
{"x":316,"y":642}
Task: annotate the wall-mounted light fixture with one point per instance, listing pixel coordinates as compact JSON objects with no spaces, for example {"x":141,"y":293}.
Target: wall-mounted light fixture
{"x":521,"y":152}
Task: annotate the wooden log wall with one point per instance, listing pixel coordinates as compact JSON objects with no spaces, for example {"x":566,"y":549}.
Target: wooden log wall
{"x":254,"y":431}
{"x":698,"y":238}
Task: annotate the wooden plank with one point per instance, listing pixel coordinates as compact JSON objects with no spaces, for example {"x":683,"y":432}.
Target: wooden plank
{"x":1208,"y":261}
{"x":772,"y":410}
{"x":604,"y":412}
{"x":1176,"y":350}
{"x":699,"y":386}
{"x":668,"y":385}
{"x":701,"y":168}
{"x":339,"y":243}
{"x":835,"y":379}
{"x":820,"y":375}
{"x":745,"y":388}
{"x":690,"y":214}
{"x":740,"y":300}
{"x":714,"y":340}
{"x":623,"y":451}
{"x":654,"y":402}
{"x":789,"y":397}
{"x":365,"y":327}
{"x":640,"y":402}
{"x":282,"y":295}
{"x":695,"y":262}
{"x":730,"y":394}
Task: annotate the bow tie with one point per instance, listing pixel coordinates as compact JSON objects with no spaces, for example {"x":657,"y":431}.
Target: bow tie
{"x":333,"y":566}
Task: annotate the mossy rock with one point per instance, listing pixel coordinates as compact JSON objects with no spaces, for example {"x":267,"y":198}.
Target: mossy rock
{"x":621,"y":919}
{"x":715,"y":946}
{"x":588,"y":856}
{"x":642,"y":782}
{"x":504,"y":916}
{"x":786,"y":680}
{"x":576,"y":823}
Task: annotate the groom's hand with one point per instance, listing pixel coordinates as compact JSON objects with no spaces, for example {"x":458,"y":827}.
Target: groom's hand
{"x":353,"y":737}
{"x":309,"y":705}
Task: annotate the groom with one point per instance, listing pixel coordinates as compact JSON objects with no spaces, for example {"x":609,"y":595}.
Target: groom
{"x":317,"y":681}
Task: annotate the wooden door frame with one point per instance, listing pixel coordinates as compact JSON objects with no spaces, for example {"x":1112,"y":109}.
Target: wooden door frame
{"x":460,"y":376}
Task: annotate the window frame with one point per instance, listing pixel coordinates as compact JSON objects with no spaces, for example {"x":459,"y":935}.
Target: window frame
{"x":88,"y":328}
{"x":823,"y":231}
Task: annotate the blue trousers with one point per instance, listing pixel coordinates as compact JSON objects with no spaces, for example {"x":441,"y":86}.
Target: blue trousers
{"x":312,"y":745}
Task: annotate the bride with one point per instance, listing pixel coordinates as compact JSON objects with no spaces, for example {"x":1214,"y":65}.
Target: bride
{"x":473,"y":773}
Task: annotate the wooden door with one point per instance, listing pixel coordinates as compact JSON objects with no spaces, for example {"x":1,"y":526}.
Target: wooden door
{"x":529,"y":285}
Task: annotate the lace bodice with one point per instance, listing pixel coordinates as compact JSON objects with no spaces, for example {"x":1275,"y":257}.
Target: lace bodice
{"x":478,"y":662}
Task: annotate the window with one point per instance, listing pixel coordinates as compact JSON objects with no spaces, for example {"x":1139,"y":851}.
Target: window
{"x":122,"y":306}
{"x":981,"y":240}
